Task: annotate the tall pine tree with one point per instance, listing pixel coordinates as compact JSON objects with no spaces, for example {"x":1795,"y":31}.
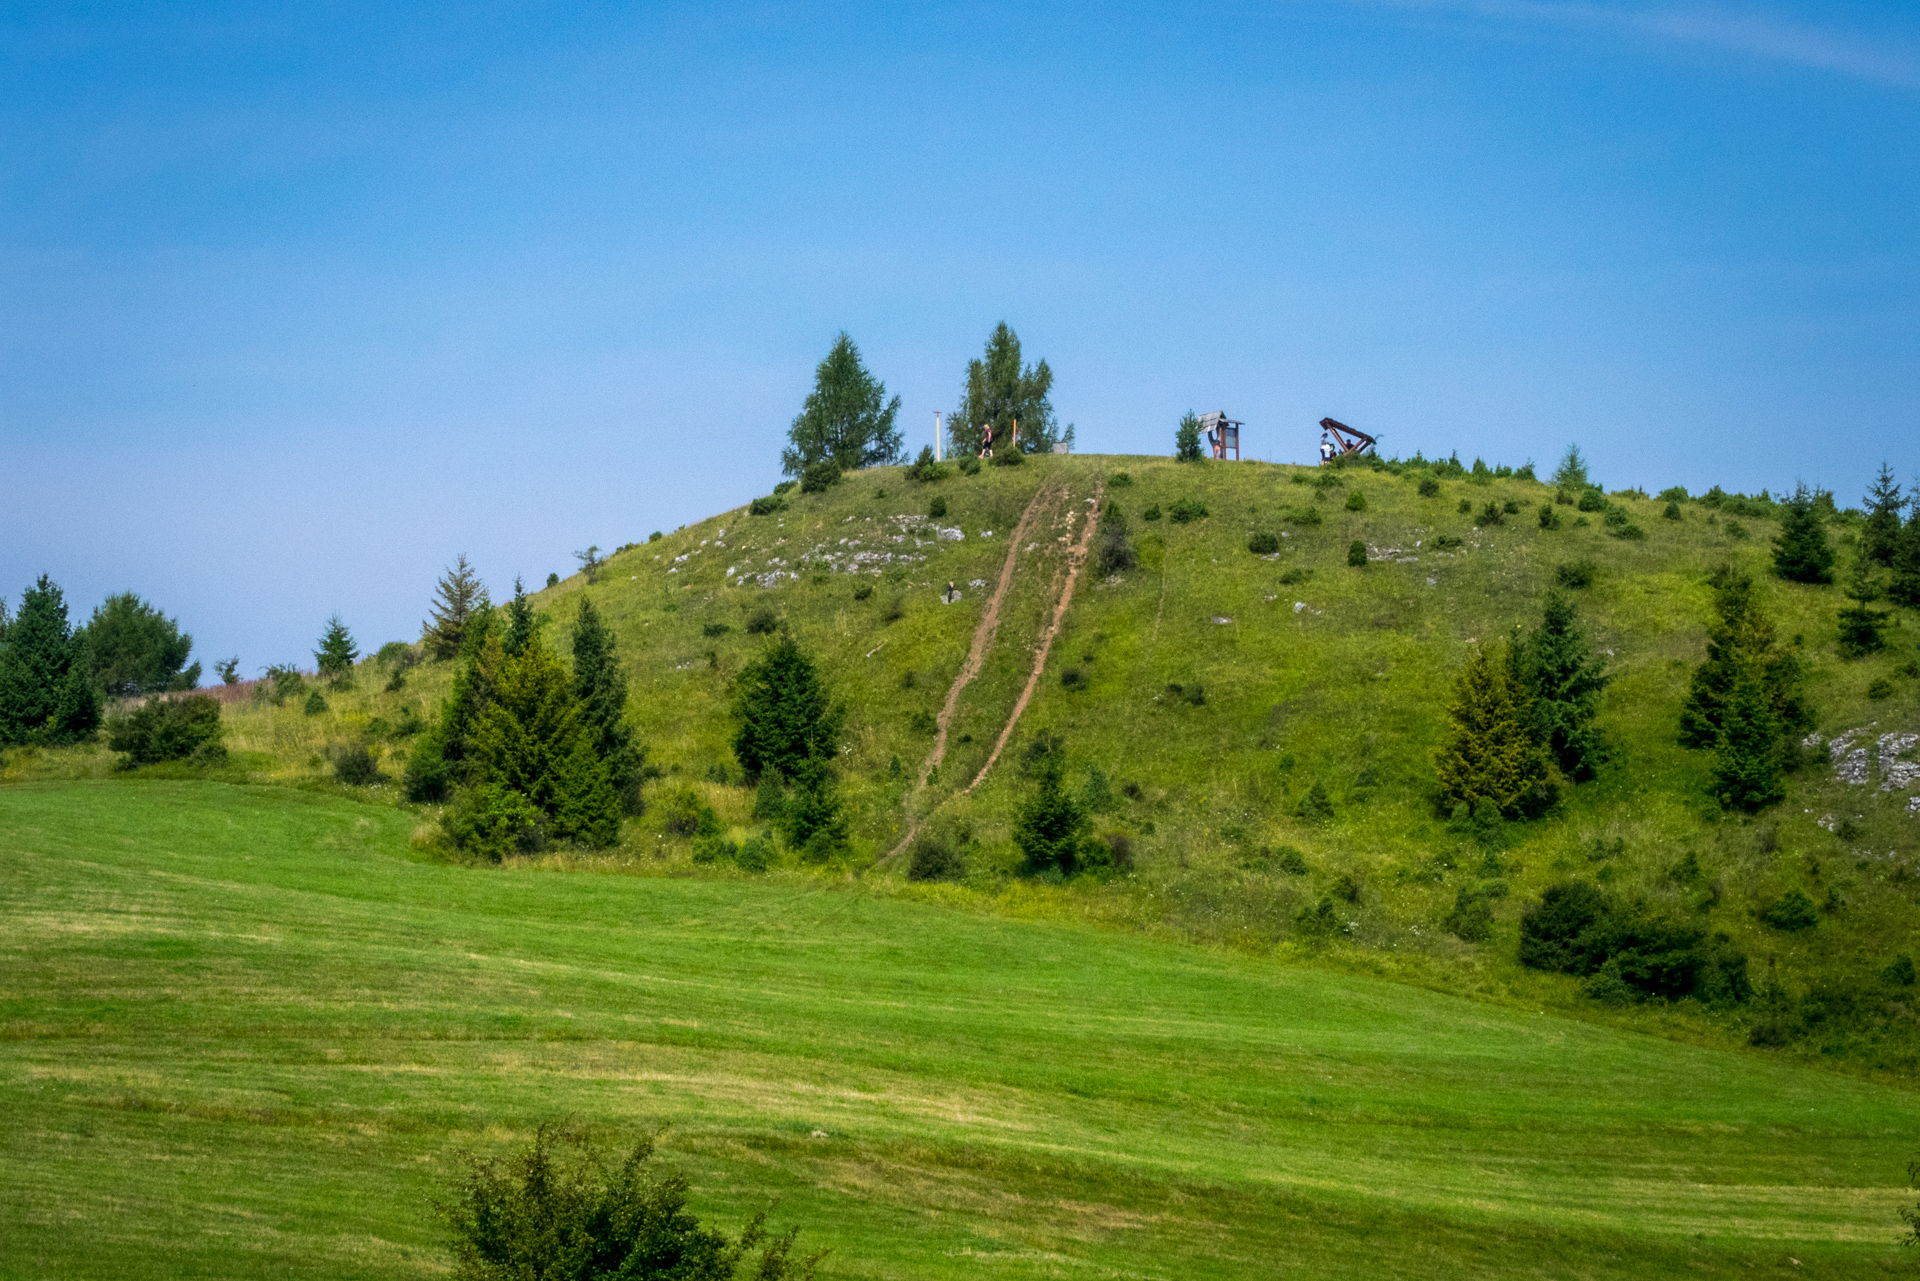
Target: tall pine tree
{"x":1905,"y":587}
{"x":534,"y":740}
{"x":600,"y":683}
{"x":1801,"y":553}
{"x":1001,"y":391}
{"x":1564,"y":680}
{"x":456,"y":597}
{"x":785,"y":714}
{"x":520,"y":622}
{"x":1860,"y":623}
{"x":1051,"y":826}
{"x":337,"y":652}
{"x":1740,"y":633}
{"x":46,"y":692}
{"x":1747,"y":762}
{"x":1881,"y":534}
{"x":1490,"y":752}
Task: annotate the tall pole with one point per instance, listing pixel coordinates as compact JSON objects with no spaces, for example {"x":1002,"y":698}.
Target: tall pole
{"x":938,"y":453}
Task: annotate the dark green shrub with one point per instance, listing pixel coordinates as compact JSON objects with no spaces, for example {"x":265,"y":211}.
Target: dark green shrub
{"x":767,"y":506}
{"x":1466,"y":506}
{"x":713,"y":848}
{"x":1346,"y":889}
{"x":1289,"y":859}
{"x":1429,"y":487}
{"x":1577,"y":574}
{"x":1113,"y":551}
{"x":762,"y":622}
{"x":1306,"y":517}
{"x":1549,"y":518}
{"x":921,"y":722}
{"x":937,"y":509}
{"x":282,"y":683}
{"x":494,"y":822}
{"x":429,"y":774}
{"x":1073,"y":679}
{"x":755,"y":854}
{"x":553,"y":580}
{"x":1151,"y":513}
{"x":715,"y":629}
{"x":1471,"y":920}
{"x":228,"y":670}
{"x":315,"y":704}
{"x":169,"y":729}
{"x":895,"y":611}
{"x":863,"y":591}
{"x":1318,"y":919}
{"x":819,"y":477}
{"x":1296,"y":575}
{"x":131,"y":648}
{"x":1186,"y":438}
{"x":355,"y":766}
{"x":1356,"y":501}
{"x":407,"y":722}
{"x":1007,"y":458}
{"x":1671,"y":512}
{"x":1591,"y":500}
{"x":970,"y":466}
{"x":1880,"y":688}
{"x":926,"y":469}
{"x":1315,"y":806}
{"x":1791,"y":911}
{"x":337,"y":652}
{"x":933,"y":859}
{"x":1801,"y":554}
{"x":1491,"y":514}
{"x":1899,"y":972}
{"x":1559,"y":933}
{"x":1629,"y":531}
{"x":686,"y":814}
{"x":1185,"y":510}
{"x":1263,"y":544}
{"x":1357,"y":554}
{"x":540,"y":1215}
{"x":1119,"y":480}
{"x":1511,"y":507}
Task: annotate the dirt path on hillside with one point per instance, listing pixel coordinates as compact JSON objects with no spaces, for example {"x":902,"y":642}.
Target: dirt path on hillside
{"x":983,"y":635}
{"x":1076,"y":561}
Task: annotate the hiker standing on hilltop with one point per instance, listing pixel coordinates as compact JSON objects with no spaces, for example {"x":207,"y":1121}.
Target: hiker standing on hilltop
{"x":986,"y":440}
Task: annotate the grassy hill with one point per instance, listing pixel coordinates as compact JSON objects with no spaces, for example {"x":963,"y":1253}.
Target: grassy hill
{"x":1209,"y":689}
{"x":246,"y":1028}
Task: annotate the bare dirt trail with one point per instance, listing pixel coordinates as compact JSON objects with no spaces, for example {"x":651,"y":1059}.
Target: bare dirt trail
{"x":1076,"y":561}
{"x":983,"y":635}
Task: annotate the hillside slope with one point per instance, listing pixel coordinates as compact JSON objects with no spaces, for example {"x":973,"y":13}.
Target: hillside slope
{"x":1209,"y":689}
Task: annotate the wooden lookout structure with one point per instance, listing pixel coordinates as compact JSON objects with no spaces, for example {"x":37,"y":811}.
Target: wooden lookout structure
{"x":1337,"y":440}
{"x":1222,"y":432}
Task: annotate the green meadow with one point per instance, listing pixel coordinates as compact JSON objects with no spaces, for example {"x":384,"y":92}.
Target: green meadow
{"x":246,"y":1028}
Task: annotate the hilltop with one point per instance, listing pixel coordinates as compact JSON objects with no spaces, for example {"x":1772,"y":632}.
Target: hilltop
{"x":1203,"y":694}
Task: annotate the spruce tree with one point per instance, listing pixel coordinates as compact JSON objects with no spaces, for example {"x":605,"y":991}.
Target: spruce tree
{"x":600,"y":683}
{"x":846,"y":419}
{"x":1801,"y":553}
{"x":133,"y":648}
{"x":1051,"y":825}
{"x":1881,"y":534}
{"x":533,"y":739}
{"x":520,"y":622}
{"x":46,"y":693}
{"x":1905,"y":587}
{"x":456,"y":597}
{"x":785,"y":715}
{"x":1860,"y":624}
{"x":1564,"y":681}
{"x":812,"y":818}
{"x":1571,"y":475}
{"x":337,"y":651}
{"x":1186,"y":438}
{"x":1490,"y":751}
{"x":1747,"y":764}
{"x":1740,"y":632}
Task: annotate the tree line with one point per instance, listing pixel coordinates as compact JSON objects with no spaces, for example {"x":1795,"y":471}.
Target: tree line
{"x":847,"y":422}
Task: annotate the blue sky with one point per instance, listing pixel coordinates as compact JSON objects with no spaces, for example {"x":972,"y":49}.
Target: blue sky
{"x":298,"y":303}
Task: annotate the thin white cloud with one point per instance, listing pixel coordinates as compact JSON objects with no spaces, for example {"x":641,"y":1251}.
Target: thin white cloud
{"x":1753,"y":34}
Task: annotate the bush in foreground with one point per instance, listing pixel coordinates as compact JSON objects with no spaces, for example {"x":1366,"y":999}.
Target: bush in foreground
{"x":557,"y":1210}
{"x":177,"y":729}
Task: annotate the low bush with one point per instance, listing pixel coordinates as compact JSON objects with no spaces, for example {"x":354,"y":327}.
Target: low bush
{"x":1429,"y":487}
{"x":1673,"y":494}
{"x":1357,"y":554}
{"x":895,"y":611}
{"x":932,"y":858}
{"x":1591,"y":500}
{"x":863,"y":591}
{"x":818,"y":478}
{"x":1306,"y":517}
{"x":541,"y":1213}
{"x":1356,"y":501}
{"x":1296,"y":575}
{"x":1151,"y":513}
{"x":1790,"y":912}
{"x":1316,"y":806}
{"x":1671,"y":512}
{"x":1448,"y":543}
{"x":1491,"y":514}
{"x":767,"y":506}
{"x":937,"y":509}
{"x":925,"y":469}
{"x":970,"y":467}
{"x":1737,"y":531}
{"x":1549,"y":518}
{"x":407,"y":722}
{"x":315,"y":704}
{"x":1263,"y":544}
{"x":169,"y":729}
{"x":1466,"y":507}
{"x":1471,"y":920}
{"x":1289,"y":859}
{"x":1880,"y":687}
{"x":1073,"y":679}
{"x":1576,"y":574}
{"x":494,"y":823}
{"x":762,"y":622}
{"x":1185,"y":510}
{"x":1008,"y":458}
{"x":688,"y":815}
{"x":1578,"y":929}
{"x":1511,"y":507}
{"x":712,"y":849}
{"x":355,"y":766}
{"x":1119,"y":480}
{"x":715,"y":629}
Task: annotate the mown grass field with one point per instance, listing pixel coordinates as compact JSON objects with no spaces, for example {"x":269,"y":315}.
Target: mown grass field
{"x":246,"y":1027}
